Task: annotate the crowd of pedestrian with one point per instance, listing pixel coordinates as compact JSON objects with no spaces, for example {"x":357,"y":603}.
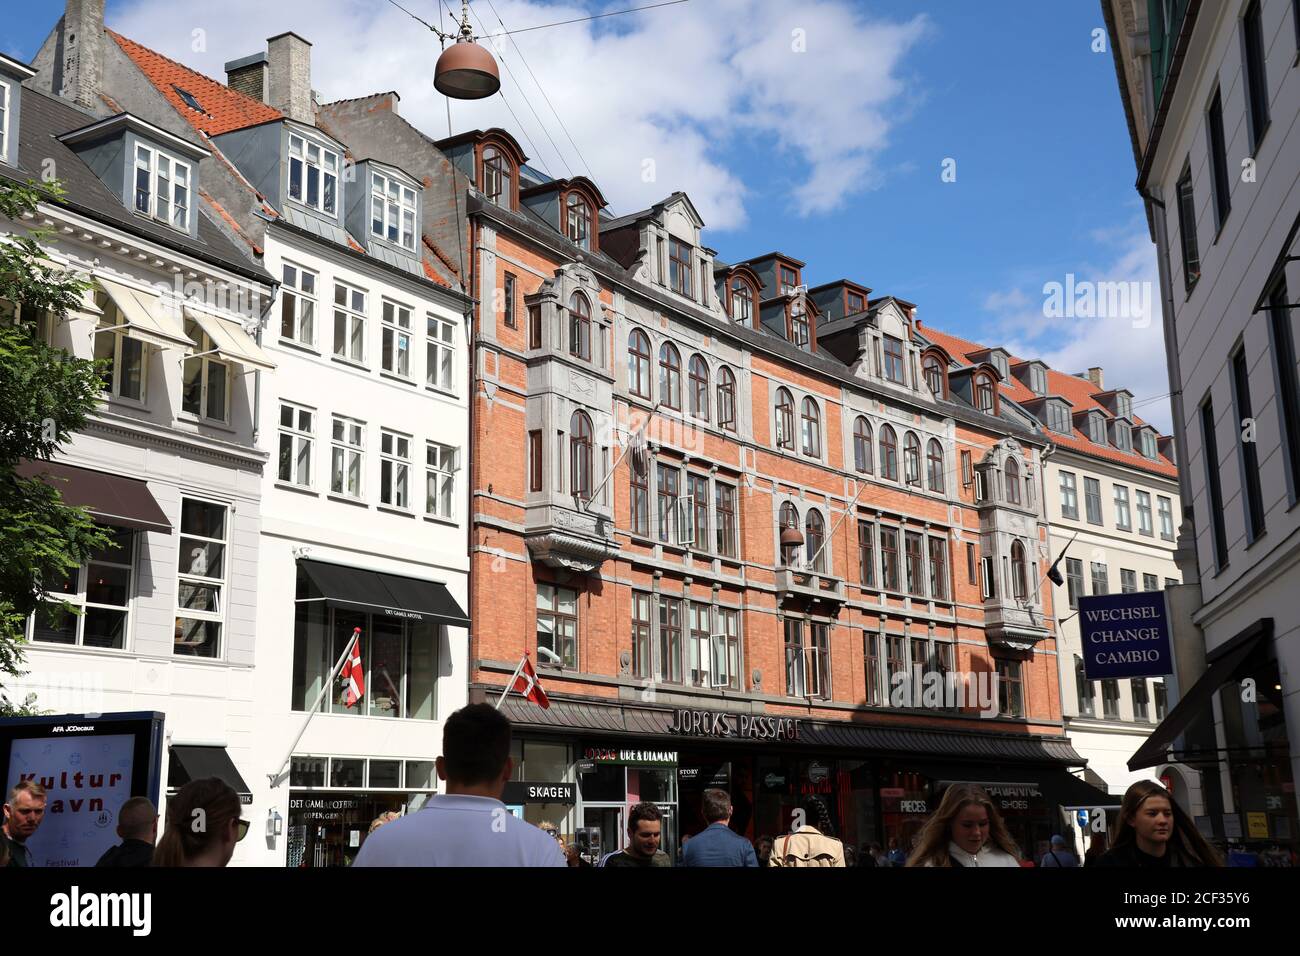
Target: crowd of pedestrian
{"x":469,"y":825}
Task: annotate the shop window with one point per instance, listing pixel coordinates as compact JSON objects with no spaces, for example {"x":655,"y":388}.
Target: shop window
{"x":399,"y":658}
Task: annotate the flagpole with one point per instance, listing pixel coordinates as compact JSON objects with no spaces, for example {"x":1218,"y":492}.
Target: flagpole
{"x":511,"y":682}
{"x":1056,"y":562}
{"x":356,"y":635}
{"x":630,"y":437}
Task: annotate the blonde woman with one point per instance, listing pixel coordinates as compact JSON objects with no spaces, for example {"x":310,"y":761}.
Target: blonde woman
{"x":966,"y":830}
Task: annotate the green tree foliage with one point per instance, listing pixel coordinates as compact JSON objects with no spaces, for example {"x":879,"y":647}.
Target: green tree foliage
{"x":45,"y":395}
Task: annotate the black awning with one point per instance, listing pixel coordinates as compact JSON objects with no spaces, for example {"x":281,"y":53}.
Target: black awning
{"x":1223,"y":663}
{"x":1059,"y":787}
{"x":193,"y":762}
{"x":112,"y":499}
{"x":382,"y":593}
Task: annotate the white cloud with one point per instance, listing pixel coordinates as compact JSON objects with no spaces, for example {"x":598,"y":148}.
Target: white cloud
{"x":1127,"y":343}
{"x":688,"y":87}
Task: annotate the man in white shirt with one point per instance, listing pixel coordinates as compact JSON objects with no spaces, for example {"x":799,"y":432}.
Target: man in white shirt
{"x":469,"y":825}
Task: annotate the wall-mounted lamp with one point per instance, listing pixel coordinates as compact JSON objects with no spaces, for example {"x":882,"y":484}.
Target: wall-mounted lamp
{"x":274,"y":823}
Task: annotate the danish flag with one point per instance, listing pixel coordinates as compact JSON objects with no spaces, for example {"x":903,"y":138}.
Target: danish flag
{"x":353,"y":675}
{"x":527,"y":684}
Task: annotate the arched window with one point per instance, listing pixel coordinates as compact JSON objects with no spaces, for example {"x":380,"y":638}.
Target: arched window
{"x":579,"y":326}
{"x":984,"y":400}
{"x":670,"y":377}
{"x":812,"y":429}
{"x":742,"y":302}
{"x":497,"y":173}
{"x":862,"y":450}
{"x":934,"y":375}
{"x":888,"y":453}
{"x":726,"y":399}
{"x":638,"y":363}
{"x":1012,"y":481}
{"x":579,"y":220}
{"x":784,"y":419}
{"x":580,"y":456}
{"x":1018,"y":575}
{"x":699,"y":375}
{"x":934,"y":465}
{"x":912,"y":458}
{"x":789,"y":519}
{"x":814,"y":539}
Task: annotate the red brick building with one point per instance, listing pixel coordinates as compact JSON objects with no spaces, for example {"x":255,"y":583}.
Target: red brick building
{"x":744,"y":528}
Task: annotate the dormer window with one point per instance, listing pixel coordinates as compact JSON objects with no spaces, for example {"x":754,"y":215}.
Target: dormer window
{"x":1037,"y":380}
{"x":1058,"y":418}
{"x":392,"y":211}
{"x":313,"y":175}
{"x":798,"y":324}
{"x":893,"y":359}
{"x":998,"y":360}
{"x":679,"y":267}
{"x":789,"y":280}
{"x":935,"y":379}
{"x":162,"y":187}
{"x":579,"y":221}
{"x":855,"y":303}
{"x":496,"y":176}
{"x":1123,"y":436}
{"x":1123,"y":405}
{"x":985,"y":399}
{"x":1097,"y":428}
{"x":742,"y":302}
{"x":1149,"y":444}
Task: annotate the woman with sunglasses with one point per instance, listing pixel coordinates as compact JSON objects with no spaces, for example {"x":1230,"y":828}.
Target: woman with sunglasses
{"x":203,"y":825}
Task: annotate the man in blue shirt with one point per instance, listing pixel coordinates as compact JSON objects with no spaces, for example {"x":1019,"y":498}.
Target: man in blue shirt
{"x":717,"y":844}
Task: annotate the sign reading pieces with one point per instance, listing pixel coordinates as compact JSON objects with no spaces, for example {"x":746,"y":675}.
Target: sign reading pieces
{"x":716,"y":723}
{"x":1125,"y":635}
{"x":522,"y":791}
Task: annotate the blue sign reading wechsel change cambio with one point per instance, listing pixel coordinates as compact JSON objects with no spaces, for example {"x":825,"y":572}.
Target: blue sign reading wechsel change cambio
{"x":1125,"y":635}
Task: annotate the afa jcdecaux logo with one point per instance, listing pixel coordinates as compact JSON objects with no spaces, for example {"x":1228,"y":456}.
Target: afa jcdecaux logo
{"x":76,"y":909}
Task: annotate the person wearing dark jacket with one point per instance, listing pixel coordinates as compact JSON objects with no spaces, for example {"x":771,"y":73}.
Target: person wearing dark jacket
{"x":717,"y":844}
{"x":1154,"y":832}
{"x":137,"y":825}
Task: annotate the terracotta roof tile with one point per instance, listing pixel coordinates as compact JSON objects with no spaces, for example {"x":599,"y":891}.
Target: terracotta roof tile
{"x":433,"y":274}
{"x":1078,"y":390}
{"x":224,"y":109}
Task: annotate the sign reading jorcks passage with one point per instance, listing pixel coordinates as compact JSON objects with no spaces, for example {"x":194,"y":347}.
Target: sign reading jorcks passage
{"x":714,"y":723}
{"x":1125,"y":635}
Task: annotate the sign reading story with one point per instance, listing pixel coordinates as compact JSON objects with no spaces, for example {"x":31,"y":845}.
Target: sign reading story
{"x":1125,"y":635}
{"x":716,"y":723}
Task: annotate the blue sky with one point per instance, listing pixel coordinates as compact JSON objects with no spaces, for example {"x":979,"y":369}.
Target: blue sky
{"x":832,"y":153}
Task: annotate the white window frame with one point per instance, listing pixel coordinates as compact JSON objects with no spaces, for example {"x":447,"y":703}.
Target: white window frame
{"x":390,"y":212}
{"x":300,"y":440}
{"x":170,"y":187}
{"x":114,"y":319}
{"x":394,"y":469}
{"x":204,"y":580}
{"x":441,"y":464}
{"x":5,"y":109}
{"x":349,"y":446}
{"x":348,"y":313}
{"x":1146,"y":525}
{"x":395,"y":338}
{"x":79,"y":600}
{"x":548,"y":605}
{"x":1165,"y":507}
{"x":326,"y":166}
{"x":440,"y":347}
{"x":304,"y":307}
{"x":210,"y":361}
{"x":1123,"y":515}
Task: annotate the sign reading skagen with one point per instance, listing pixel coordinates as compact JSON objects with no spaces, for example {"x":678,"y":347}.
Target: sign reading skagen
{"x":716,"y":723}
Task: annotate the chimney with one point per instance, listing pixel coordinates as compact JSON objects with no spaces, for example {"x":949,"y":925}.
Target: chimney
{"x":289,"y":76}
{"x":1094,"y":376}
{"x":248,"y":75}
{"x":79,"y":52}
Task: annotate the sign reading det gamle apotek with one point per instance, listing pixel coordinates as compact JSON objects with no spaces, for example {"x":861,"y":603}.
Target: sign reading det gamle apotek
{"x":1125,"y":635}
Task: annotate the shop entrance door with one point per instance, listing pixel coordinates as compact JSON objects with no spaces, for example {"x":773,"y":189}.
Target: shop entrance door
{"x":668,"y":831}
{"x":603,"y":824}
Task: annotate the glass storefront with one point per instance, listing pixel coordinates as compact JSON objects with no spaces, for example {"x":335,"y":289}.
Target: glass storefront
{"x":333,"y":800}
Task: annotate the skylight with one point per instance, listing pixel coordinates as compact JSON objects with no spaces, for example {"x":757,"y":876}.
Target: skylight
{"x":188,"y":97}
